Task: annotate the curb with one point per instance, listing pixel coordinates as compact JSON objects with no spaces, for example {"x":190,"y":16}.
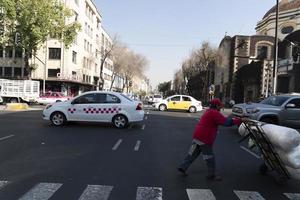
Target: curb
{"x":16,"y":106}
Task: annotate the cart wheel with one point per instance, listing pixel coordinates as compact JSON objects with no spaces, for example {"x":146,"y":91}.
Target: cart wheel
{"x":263,"y":169}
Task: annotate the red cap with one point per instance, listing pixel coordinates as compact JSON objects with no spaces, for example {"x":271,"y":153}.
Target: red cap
{"x":216,"y":102}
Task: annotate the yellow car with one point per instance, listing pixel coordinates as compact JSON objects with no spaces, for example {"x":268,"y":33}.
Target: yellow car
{"x":179,"y":102}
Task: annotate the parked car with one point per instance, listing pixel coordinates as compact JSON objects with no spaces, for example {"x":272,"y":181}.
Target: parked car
{"x":96,"y":106}
{"x":52,"y":97}
{"x":179,"y":102}
{"x":154,"y":98}
{"x":282,"y":110}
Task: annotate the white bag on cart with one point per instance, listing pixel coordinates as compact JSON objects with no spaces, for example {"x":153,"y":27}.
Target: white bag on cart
{"x":295,"y":173}
{"x":291,"y":159}
{"x":286,"y":139}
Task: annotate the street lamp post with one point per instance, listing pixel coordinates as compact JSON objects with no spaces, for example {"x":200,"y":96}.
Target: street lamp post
{"x":275,"y":50}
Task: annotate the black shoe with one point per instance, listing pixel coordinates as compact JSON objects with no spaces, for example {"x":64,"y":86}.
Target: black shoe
{"x":214,"y":178}
{"x":182,"y":171}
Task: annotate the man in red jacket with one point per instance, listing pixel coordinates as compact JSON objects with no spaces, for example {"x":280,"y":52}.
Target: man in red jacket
{"x":204,"y":136}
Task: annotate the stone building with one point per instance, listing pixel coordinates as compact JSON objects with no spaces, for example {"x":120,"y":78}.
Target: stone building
{"x":234,"y":77}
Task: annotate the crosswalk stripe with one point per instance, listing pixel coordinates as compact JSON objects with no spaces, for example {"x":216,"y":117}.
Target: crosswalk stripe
{"x":41,"y":191}
{"x":99,"y":192}
{"x":149,"y":193}
{"x":292,"y":196}
{"x":137,"y":146}
{"x":3,"y":184}
{"x":117,"y":144}
{"x":248,"y":195}
{"x":200,"y":194}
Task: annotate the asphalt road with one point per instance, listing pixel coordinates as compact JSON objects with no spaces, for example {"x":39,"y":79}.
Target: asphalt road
{"x":96,"y":161}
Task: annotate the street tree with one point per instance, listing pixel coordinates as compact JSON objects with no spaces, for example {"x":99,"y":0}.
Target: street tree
{"x":120,"y":60}
{"x":135,"y":68}
{"x":106,"y":53}
{"x":179,"y":82}
{"x":198,"y":70}
{"x":33,"y":21}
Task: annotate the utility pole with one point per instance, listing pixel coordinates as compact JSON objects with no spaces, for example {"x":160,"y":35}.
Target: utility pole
{"x":275,"y":50}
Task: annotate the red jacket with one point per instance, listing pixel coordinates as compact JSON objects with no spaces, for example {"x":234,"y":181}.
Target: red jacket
{"x":206,"y":129}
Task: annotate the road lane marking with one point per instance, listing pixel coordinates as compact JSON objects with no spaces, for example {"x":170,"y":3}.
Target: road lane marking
{"x":3,"y":184}
{"x":292,"y":196}
{"x":248,"y":195}
{"x":200,"y":194}
{"x":41,"y":191}
{"x":149,"y":193}
{"x":99,"y":192}
{"x":6,"y":137}
{"x":117,"y":144}
{"x":137,"y":145}
{"x":253,"y":154}
{"x":146,"y":117}
{"x":189,"y":115}
{"x":143,"y":127}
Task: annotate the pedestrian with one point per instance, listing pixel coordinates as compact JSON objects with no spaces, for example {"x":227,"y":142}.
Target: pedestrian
{"x":204,"y":136}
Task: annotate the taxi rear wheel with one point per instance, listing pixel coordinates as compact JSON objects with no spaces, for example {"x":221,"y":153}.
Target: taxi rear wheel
{"x":120,"y":121}
{"x":58,"y":119}
{"x":162,"y":107}
{"x":192,"y":109}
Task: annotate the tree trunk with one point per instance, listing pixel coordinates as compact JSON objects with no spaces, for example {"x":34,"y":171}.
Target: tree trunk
{"x":112,"y":81}
{"x":26,"y":65}
{"x":101,"y":79}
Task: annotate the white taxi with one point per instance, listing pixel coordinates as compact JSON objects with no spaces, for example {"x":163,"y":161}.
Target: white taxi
{"x":179,"y":102}
{"x":96,"y":106}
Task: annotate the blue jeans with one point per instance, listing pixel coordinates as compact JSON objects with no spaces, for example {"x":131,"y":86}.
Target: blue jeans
{"x":194,"y":152}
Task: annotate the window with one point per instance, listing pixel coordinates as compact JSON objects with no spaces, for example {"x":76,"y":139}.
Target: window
{"x":18,"y":52}
{"x":53,"y":72}
{"x":112,"y":99}
{"x":1,"y":52}
{"x":176,"y":98}
{"x":262,"y":52}
{"x":17,"y":71}
{"x":1,"y":70}
{"x":287,"y":29}
{"x":101,"y":98}
{"x":7,"y":71}
{"x":186,"y":98}
{"x":74,"y":57}
{"x":8,"y":52}
{"x":86,"y":99}
{"x":54,"y":53}
{"x":296,"y":102}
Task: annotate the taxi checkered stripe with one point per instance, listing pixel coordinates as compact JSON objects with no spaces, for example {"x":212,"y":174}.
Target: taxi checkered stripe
{"x":101,"y":110}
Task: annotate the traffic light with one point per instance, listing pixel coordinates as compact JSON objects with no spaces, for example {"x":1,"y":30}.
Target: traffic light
{"x":17,"y":39}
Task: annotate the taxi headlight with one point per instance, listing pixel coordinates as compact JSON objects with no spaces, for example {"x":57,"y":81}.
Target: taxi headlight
{"x":48,"y":106}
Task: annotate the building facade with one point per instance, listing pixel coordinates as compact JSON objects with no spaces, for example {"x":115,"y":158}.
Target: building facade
{"x":288,"y":50}
{"x":73,"y":70}
{"x":244,"y":70}
{"x":288,"y":22}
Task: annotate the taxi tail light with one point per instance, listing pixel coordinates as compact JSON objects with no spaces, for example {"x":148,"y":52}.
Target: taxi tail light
{"x":139,"y":106}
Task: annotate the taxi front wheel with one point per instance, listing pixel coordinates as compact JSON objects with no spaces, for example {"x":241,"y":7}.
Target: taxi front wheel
{"x":120,"y":121}
{"x":58,"y":119}
{"x":192,"y":109}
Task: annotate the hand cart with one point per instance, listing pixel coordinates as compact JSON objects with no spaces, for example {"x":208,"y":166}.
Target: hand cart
{"x":272,"y":161}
